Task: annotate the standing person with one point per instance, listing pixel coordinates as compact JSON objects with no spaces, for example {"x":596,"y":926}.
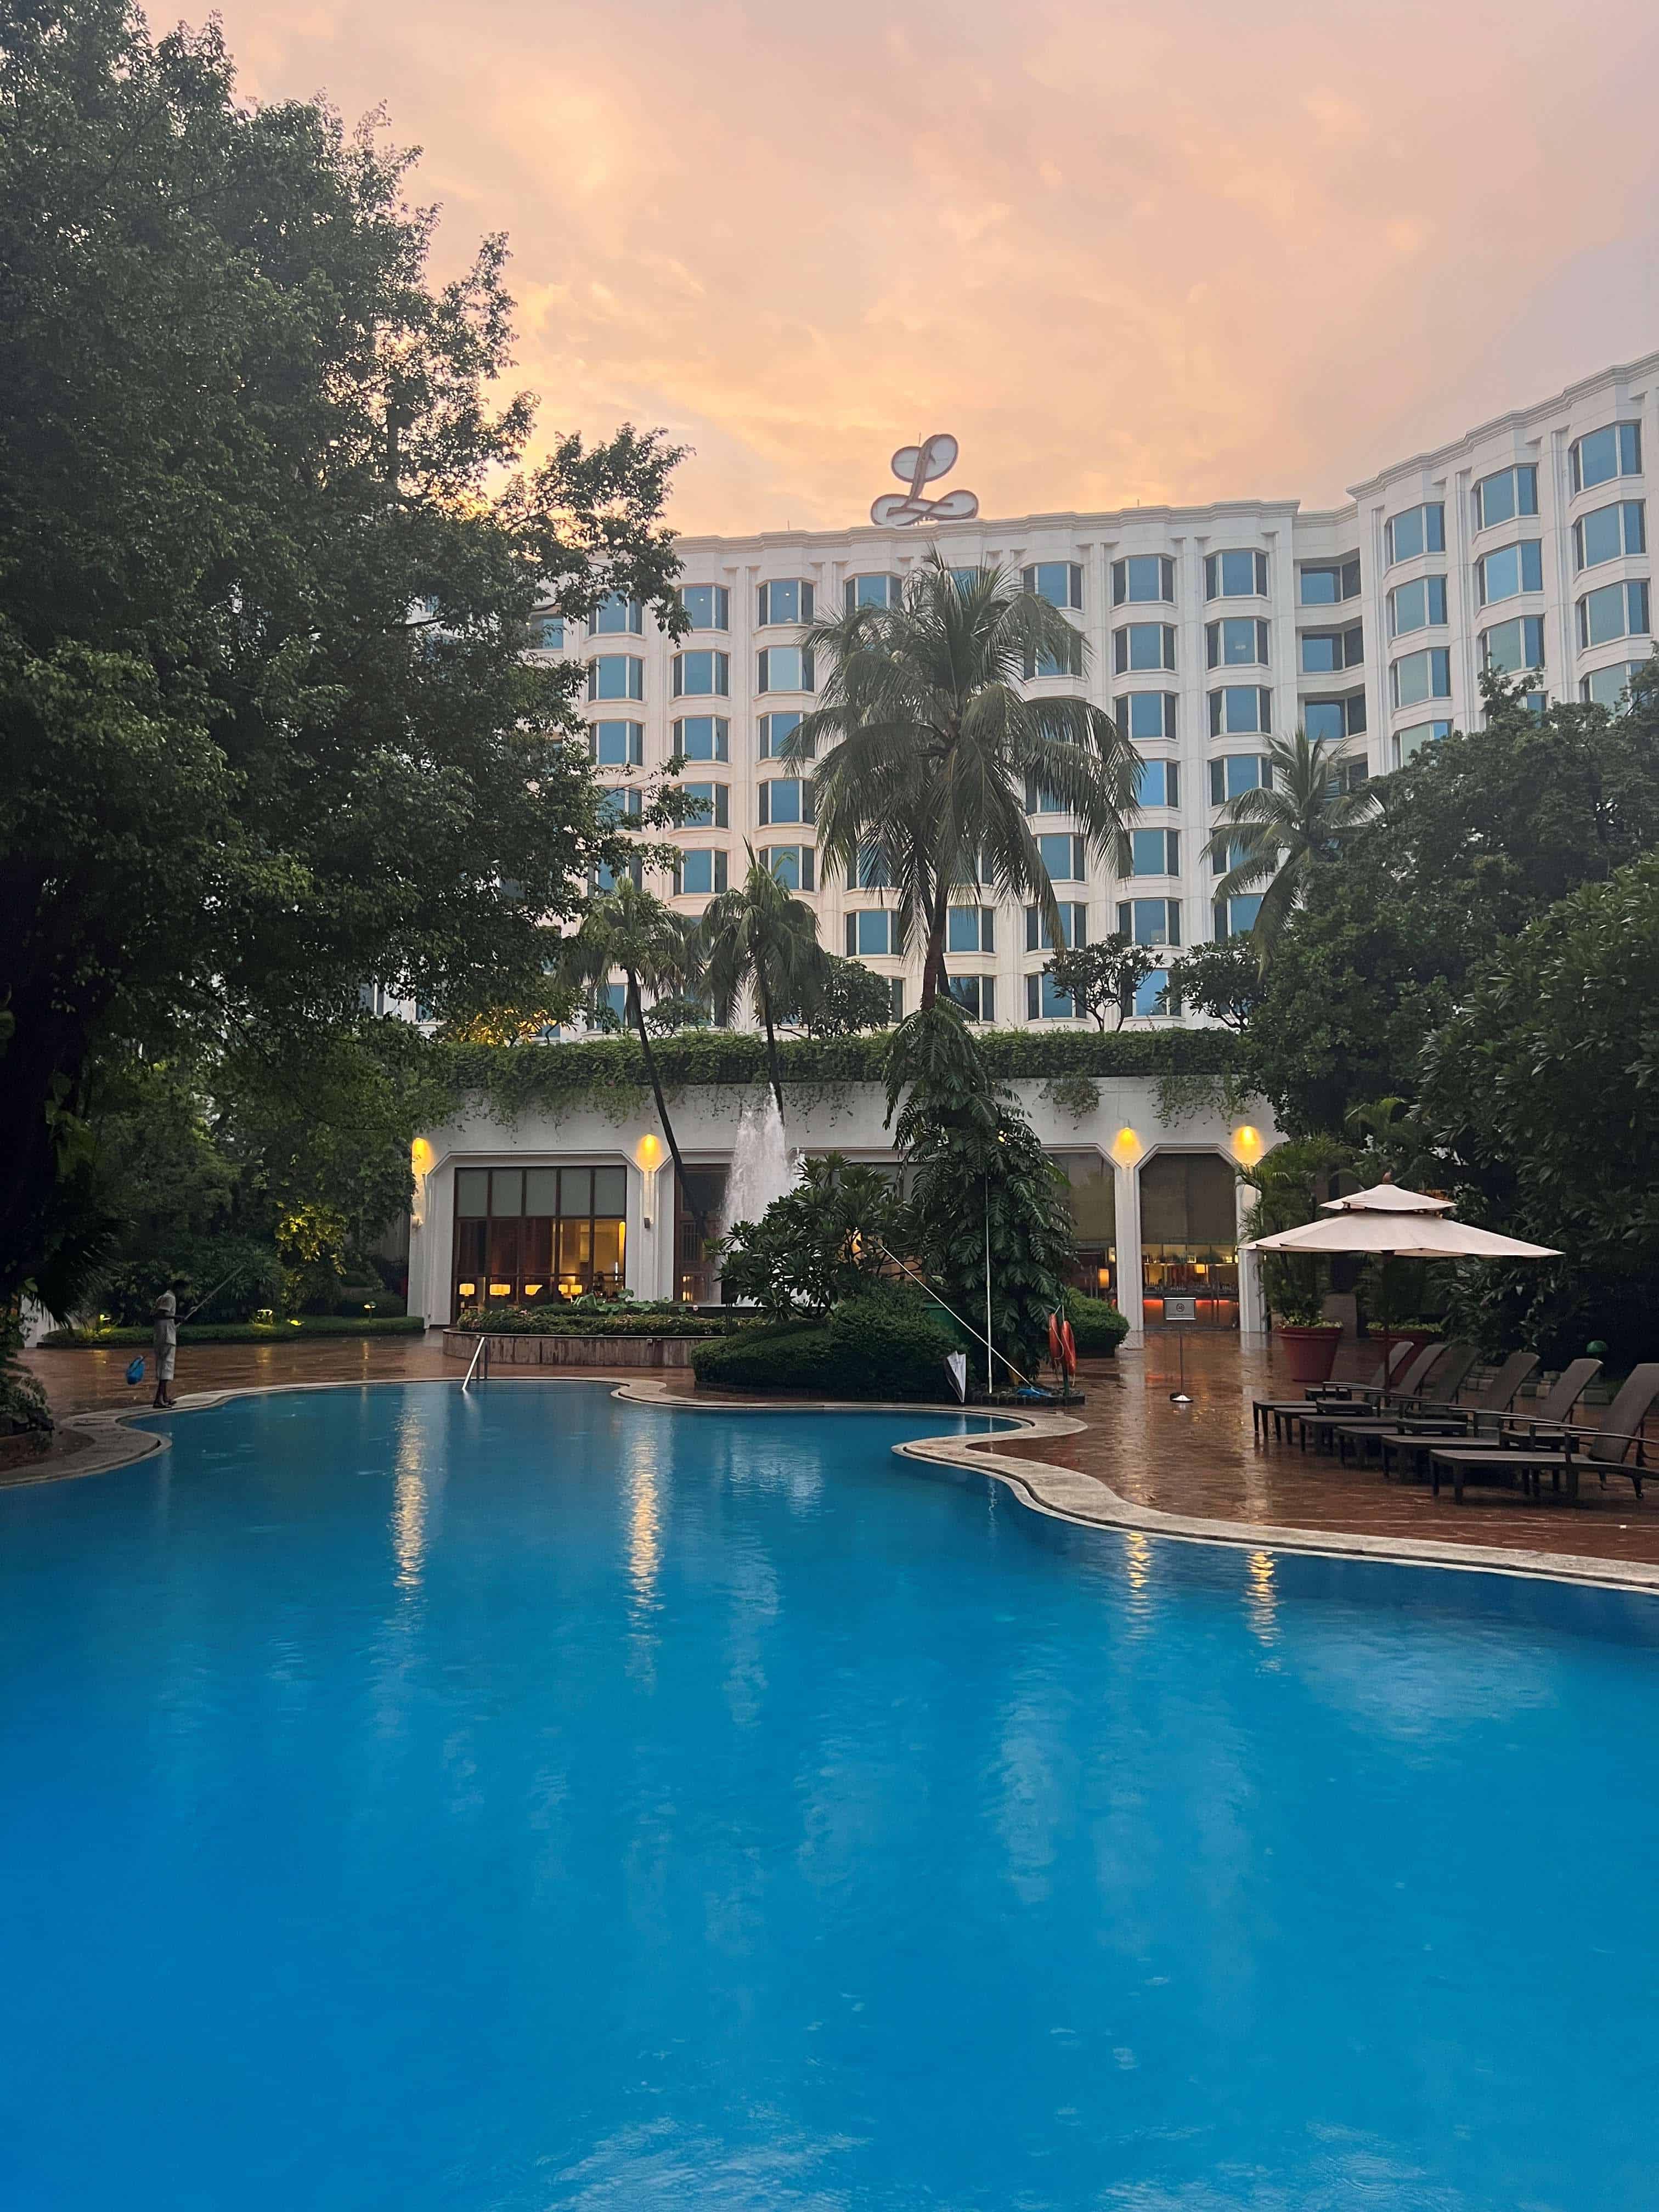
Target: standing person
{"x":164,"y":1345}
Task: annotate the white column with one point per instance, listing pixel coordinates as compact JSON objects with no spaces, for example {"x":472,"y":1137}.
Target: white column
{"x":1127,"y":1197}
{"x":1252,"y":1309}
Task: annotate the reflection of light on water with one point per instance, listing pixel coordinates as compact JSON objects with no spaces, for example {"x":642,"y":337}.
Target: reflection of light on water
{"x":1137,"y":1561}
{"x":1262,"y":1598}
{"x":644,"y":1529}
{"x":1139,"y":1555}
{"x":411,"y":1505}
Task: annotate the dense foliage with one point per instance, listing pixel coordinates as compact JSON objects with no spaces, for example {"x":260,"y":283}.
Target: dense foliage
{"x":1097,"y":1327}
{"x":267,"y":556}
{"x":1101,"y":979}
{"x":821,"y":1242}
{"x":885,"y":1343}
{"x":585,"y":1317}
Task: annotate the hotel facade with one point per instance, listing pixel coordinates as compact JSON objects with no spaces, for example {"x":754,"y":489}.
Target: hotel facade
{"x":1205,"y":631}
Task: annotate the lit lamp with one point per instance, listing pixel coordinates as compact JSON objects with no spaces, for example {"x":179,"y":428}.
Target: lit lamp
{"x":1247,"y":1143}
{"x":1126,"y":1146}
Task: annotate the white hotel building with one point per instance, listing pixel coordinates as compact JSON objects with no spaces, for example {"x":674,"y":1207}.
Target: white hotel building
{"x":1522,"y":545}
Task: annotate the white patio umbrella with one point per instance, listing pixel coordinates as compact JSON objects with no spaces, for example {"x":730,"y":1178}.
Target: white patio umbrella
{"x":1388,"y":1223}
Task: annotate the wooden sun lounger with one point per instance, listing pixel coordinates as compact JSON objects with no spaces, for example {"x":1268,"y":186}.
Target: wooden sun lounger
{"x":1623,"y":1426}
{"x":1546,"y":1428}
{"x":1428,"y":1388}
{"x":1321,"y":1394}
{"x":1402,"y":1393}
{"x":1497,"y":1398}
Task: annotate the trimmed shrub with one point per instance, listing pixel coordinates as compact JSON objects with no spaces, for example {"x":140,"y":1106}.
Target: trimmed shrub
{"x":239,"y":1332}
{"x":1097,"y":1327}
{"x":664,"y":1320}
{"x":885,"y":1344}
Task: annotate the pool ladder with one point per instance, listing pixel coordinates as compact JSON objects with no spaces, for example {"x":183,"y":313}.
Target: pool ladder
{"x":480,"y":1357}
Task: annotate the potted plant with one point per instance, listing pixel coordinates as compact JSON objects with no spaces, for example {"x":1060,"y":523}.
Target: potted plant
{"x":1309,"y":1341}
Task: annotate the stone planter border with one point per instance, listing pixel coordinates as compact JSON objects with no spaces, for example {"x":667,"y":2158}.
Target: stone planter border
{"x":514,"y":1349}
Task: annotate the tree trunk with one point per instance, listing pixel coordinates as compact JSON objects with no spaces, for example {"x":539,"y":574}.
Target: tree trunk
{"x":40,"y":1069}
{"x":773,"y":1069}
{"x":932,"y":966}
{"x":636,"y":1007}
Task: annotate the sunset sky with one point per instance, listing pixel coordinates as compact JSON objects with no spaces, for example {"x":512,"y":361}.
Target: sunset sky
{"x":1126,"y":252}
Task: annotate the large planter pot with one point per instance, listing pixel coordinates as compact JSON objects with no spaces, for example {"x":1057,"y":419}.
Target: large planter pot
{"x":1310,"y":1352}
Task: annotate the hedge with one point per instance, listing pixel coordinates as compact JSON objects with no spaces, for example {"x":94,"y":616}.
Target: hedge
{"x":238,"y":1332}
{"x":560,"y":1320}
{"x":1097,"y":1327}
{"x":596,"y":1071}
{"x":885,"y":1345}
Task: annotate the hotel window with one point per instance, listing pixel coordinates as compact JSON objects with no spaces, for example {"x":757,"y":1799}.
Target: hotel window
{"x":533,"y":1236}
{"x":1234,"y":773}
{"x":713,"y":799}
{"x":1237,"y":641}
{"x":618,"y":806}
{"x":1605,"y":687}
{"x":1616,"y":611}
{"x":1046,"y":664}
{"x":616,"y":676}
{"x":1325,"y":651}
{"x":872,"y":592}
{"x":1501,"y":497}
{"x":1144,"y":645}
{"x":785,"y":668}
{"x":1235,"y":917}
{"x":697,"y":873}
{"x":546,"y":633}
{"x":1158,"y":784}
{"x":1060,"y":582}
{"x":795,"y":866}
{"x":970,"y":929}
{"x":1143,"y":577}
{"x":610,"y":1000}
{"x":789,"y":600}
{"x":1510,"y":571}
{"x":1073,"y":924}
{"x":871,"y":929}
{"x":966,"y":579}
{"x":874,"y":870}
{"x":1328,"y":583}
{"x":616,"y":617}
{"x":605,"y":878}
{"x":1046,"y":1002}
{"x":617,"y":744}
{"x":1225,"y":858}
{"x":1242,"y":710}
{"x":1143,"y":715}
{"x":701,"y":675}
{"x":1415,"y":530}
{"x":1152,"y":996}
{"x":703,"y":737}
{"x":710,"y":605}
{"x":1604,"y":454}
{"x":1236,"y":576}
{"x":1039,"y":800}
{"x":1424,"y":675}
{"x":1062,"y":856}
{"x":1335,"y":720}
{"x":1513,"y":646}
{"x":777,"y":731}
{"x":1420,"y":606}
{"x":1408,"y":743}
{"x":1152,"y":853}
{"x":786,"y":798}
{"x":1609,"y":533}
{"x":1149,"y":922}
{"x":975,"y":995}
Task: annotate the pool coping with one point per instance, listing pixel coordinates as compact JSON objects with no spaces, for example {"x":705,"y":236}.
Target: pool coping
{"x":1062,"y":1493}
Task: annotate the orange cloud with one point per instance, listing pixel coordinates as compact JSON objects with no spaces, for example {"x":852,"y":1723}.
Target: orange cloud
{"x":1128,"y":252}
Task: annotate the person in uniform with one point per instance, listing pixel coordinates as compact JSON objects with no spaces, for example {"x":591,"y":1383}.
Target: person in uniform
{"x":164,"y":1345}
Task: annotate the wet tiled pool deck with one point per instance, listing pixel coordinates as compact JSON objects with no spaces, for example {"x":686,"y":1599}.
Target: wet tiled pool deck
{"x":1199,"y":1460}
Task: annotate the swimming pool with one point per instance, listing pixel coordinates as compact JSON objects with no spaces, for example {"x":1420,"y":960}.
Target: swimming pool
{"x":528,"y":1800}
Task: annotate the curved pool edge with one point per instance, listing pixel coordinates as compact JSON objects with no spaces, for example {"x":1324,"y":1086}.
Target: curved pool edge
{"x":1062,"y":1493}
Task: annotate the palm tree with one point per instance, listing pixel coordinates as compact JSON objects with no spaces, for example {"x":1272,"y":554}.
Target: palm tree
{"x":935,"y":744}
{"x":755,"y":934}
{"x":1278,"y":834}
{"x":656,"y":951}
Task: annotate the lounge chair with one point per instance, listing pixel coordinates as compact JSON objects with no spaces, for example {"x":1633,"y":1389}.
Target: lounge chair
{"x":1323,"y":1394}
{"x":1400,"y":1391}
{"x":1464,"y":1464}
{"x":1545,"y":1427}
{"x":1429,"y":1385}
{"x":1498,"y":1397}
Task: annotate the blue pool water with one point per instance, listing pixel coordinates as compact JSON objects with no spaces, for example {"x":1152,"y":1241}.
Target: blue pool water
{"x":409,"y":1802}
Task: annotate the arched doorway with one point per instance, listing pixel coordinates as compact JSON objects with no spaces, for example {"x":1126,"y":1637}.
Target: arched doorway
{"x":1189,"y":1239}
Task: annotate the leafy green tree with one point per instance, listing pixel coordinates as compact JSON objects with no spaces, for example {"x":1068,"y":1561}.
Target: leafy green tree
{"x":757,"y":937}
{"x":821,"y":1242}
{"x":1277,"y":835}
{"x":1291,"y":1184}
{"x":657,"y":952}
{"x":1474,"y":839}
{"x":267,"y":559}
{"x":978,"y":1182}
{"x":1540,"y":1092}
{"x":1102,"y":978}
{"x":1222,"y":979}
{"x":850,"y":998}
{"x":932,"y":743}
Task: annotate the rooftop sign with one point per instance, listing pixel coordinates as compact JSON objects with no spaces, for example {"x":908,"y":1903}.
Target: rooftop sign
{"x":919,"y":465}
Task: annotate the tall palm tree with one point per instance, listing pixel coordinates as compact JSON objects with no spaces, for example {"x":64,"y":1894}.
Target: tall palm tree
{"x":657,"y":951}
{"x":932,"y":743}
{"x":1287,"y":828}
{"x":756,"y":935}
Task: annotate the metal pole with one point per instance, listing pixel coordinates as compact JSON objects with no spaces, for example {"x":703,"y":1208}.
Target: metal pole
{"x":990,"y":1380}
